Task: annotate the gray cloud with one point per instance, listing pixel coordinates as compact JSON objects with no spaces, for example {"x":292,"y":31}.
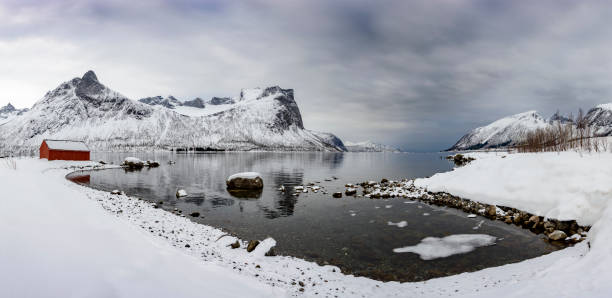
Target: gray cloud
{"x":415,"y":74}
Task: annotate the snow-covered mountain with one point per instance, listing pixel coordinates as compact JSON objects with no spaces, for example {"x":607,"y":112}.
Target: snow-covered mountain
{"x":507,"y":131}
{"x":368,"y":146}
{"x":600,"y":119}
{"x":8,"y":112}
{"x":84,"y":109}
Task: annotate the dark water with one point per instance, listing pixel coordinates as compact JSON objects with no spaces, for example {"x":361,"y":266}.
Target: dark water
{"x":315,"y":226}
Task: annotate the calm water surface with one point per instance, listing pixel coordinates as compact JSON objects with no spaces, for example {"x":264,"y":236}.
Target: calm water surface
{"x":351,"y":233}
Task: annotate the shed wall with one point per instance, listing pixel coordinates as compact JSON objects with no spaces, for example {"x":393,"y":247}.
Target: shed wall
{"x":68,"y":155}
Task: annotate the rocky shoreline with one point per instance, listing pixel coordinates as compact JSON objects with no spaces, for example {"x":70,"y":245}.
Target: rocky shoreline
{"x":559,"y":232}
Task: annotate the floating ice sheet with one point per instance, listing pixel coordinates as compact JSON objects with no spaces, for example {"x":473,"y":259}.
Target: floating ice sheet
{"x":433,"y":247}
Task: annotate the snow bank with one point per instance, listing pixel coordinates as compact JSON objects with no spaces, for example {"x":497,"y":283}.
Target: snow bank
{"x":433,"y":247}
{"x":566,"y":185}
{"x":58,"y":243}
{"x":563,"y":186}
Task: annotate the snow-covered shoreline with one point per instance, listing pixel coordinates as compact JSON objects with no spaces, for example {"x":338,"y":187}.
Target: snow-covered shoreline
{"x":270,"y":276}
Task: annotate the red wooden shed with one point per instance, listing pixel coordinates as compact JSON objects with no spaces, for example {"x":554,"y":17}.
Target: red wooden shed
{"x":64,"y":150}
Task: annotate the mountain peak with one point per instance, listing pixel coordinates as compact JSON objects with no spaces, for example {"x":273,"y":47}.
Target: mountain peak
{"x":90,"y":76}
{"x":7,"y":108}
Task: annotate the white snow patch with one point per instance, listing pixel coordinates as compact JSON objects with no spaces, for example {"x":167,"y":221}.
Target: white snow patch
{"x":433,"y":247}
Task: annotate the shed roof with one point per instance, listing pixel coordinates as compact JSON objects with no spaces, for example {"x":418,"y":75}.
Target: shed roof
{"x":66,"y":145}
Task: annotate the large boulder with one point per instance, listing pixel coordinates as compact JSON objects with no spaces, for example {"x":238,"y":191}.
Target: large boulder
{"x":246,"y":180}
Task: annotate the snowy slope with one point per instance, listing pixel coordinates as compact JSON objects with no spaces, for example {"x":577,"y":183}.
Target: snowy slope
{"x":503,"y":132}
{"x":8,"y":112}
{"x":84,"y":109}
{"x":368,"y":146}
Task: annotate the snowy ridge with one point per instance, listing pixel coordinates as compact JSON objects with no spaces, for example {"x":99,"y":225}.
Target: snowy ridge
{"x":507,"y":131}
{"x":368,"y":146}
{"x":86,"y":110}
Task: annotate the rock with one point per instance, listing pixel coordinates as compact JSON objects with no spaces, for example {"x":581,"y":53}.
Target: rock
{"x":350,"y":191}
{"x":181,"y":193}
{"x":549,"y":225}
{"x":461,"y":160}
{"x":491,"y":211}
{"x":195,"y":214}
{"x":557,"y":235}
{"x":102,"y":162}
{"x":170,"y":162}
{"x":115,"y":192}
{"x":153,"y":164}
{"x":133,"y":163}
{"x":246,"y":180}
{"x":508,"y":219}
{"x":384,"y":180}
{"x":270,"y":252}
{"x":534,"y":219}
{"x":235,"y":244}
{"x":301,"y":283}
{"x":337,"y":195}
{"x":252,"y":245}
{"x":187,"y":245}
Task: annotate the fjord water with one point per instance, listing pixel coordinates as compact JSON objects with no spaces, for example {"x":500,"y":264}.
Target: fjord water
{"x":352,"y":233}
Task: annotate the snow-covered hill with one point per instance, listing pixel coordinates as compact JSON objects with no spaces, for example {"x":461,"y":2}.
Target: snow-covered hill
{"x":507,"y":131}
{"x":8,"y":112}
{"x":368,"y":146}
{"x":84,"y":109}
{"x":512,"y":130}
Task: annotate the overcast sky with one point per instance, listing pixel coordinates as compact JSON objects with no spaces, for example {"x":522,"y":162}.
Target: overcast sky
{"x":413,"y":74}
